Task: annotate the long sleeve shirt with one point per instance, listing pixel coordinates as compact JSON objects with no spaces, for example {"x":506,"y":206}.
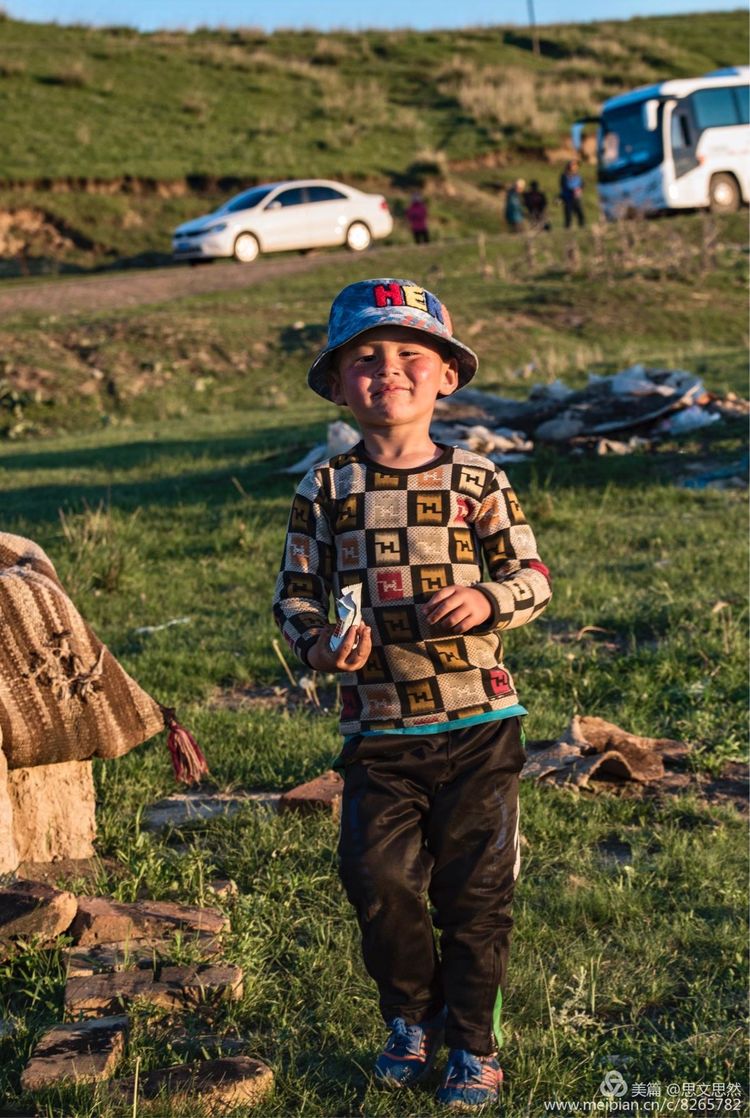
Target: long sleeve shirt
{"x":404,"y":534}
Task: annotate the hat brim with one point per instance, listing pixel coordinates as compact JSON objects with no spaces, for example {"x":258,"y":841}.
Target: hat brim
{"x":323,"y":365}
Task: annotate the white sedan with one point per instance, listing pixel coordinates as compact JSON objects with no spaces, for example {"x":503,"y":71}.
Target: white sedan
{"x":299,"y":214}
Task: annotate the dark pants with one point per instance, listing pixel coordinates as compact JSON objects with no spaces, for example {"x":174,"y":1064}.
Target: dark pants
{"x":421,"y":236}
{"x":435,"y":816}
{"x":573,"y":207}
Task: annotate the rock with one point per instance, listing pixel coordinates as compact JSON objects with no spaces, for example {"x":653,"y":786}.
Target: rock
{"x":84,"y":1052}
{"x":9,"y":857}
{"x":190,"y":986}
{"x":225,"y":888}
{"x":99,"y":994}
{"x":104,"y":958}
{"x":225,"y":1082}
{"x":29,"y":908}
{"x":177,"y":988}
{"x":194,"y":807}
{"x":53,"y":811}
{"x":323,"y":793}
{"x":100,"y":920}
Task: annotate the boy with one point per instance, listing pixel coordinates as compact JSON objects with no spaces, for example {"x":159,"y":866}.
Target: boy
{"x":430,"y":716}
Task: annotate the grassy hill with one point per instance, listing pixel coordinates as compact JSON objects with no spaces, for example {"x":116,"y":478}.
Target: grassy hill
{"x":107,"y":103}
{"x":143,"y":130}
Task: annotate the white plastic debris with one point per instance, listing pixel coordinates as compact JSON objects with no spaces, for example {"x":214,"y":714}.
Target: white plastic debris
{"x":341,"y":437}
{"x":145,"y":630}
{"x":687,"y":420}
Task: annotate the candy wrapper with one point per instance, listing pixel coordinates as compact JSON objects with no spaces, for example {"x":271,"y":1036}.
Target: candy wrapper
{"x":348,"y":612}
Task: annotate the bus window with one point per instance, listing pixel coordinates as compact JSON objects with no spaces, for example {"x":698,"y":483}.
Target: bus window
{"x":680,"y":131}
{"x":626,"y":146}
{"x":742,"y":97}
{"x":715,"y":108}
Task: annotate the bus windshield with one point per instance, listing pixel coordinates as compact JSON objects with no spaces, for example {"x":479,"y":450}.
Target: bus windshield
{"x":627,"y":145}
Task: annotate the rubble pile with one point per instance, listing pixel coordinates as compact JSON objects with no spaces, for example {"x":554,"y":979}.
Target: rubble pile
{"x":122,"y":953}
{"x":634,"y":409}
{"x":630,"y":410}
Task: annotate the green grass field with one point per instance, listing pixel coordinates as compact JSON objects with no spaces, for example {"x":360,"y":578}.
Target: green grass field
{"x":158,"y":494}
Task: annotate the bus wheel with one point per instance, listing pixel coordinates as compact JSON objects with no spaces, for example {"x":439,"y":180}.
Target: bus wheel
{"x":724,"y":194}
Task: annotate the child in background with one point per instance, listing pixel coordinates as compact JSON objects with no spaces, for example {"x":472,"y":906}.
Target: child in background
{"x":430,"y":720}
{"x":416,"y":215}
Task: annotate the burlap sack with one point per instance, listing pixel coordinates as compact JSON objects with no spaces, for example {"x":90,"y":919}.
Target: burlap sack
{"x":63,"y":696}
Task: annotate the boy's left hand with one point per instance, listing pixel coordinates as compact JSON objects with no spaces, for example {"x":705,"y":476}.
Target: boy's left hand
{"x":458,"y":608}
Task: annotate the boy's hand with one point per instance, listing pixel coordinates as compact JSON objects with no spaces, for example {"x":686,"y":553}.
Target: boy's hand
{"x":458,"y":608}
{"x":346,"y":658}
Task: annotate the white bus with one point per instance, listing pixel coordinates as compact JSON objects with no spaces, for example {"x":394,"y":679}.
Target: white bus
{"x":681,"y":144}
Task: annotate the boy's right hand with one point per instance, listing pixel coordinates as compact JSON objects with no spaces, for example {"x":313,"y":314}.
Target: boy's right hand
{"x":347,"y":657}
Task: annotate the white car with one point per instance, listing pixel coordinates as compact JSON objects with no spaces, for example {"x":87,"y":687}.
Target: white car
{"x":298,"y":214}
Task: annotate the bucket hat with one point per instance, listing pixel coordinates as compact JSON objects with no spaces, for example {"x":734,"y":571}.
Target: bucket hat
{"x":387,"y":302}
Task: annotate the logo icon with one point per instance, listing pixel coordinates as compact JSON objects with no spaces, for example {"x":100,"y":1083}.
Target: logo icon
{"x":613,"y":1086}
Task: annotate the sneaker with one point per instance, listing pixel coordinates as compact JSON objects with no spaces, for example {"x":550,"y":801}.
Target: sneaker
{"x":410,"y":1051}
{"x":470,"y":1081}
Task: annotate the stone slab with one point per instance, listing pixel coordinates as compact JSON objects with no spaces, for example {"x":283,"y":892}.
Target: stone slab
{"x":184,"y":808}
{"x":225,"y":1082}
{"x":192,"y":986}
{"x":30,"y":908}
{"x":100,"y":994}
{"x":103,"y":958}
{"x":85,"y":1052}
{"x":101,"y":920}
{"x":176,"y":988}
{"x":321,"y":794}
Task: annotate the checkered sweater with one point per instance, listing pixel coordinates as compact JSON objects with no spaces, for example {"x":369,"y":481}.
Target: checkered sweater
{"x":404,"y":534}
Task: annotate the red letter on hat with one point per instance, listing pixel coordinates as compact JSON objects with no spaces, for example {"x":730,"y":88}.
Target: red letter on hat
{"x":389,"y":295}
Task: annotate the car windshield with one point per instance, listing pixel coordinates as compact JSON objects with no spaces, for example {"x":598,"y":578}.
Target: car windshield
{"x":246,"y":201}
{"x":627,"y":146}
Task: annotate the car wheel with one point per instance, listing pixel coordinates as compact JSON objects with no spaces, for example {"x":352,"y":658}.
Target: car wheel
{"x":358,"y":237}
{"x":724,"y":194}
{"x":246,"y":248}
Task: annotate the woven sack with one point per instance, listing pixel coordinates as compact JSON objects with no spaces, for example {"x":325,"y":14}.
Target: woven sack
{"x":63,"y":695}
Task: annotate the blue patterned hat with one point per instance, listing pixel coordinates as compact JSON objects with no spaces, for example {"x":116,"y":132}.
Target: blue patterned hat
{"x":387,"y":302}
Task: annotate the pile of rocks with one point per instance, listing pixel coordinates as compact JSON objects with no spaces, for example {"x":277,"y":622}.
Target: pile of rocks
{"x":122,"y":953}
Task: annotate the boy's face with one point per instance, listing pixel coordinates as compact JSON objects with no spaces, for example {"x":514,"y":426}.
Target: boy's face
{"x":391,"y":376}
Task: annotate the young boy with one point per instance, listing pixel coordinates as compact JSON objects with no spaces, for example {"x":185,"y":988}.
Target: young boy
{"x":430,"y":718}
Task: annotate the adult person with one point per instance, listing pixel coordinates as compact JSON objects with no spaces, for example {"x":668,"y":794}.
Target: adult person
{"x":535,"y":201}
{"x":514,"y":212}
{"x":571,"y":189}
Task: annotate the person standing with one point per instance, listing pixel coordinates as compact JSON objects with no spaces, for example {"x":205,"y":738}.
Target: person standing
{"x":431,"y":721}
{"x":571,"y":189}
{"x":416,"y":215}
{"x":514,"y":212}
{"x":535,"y":201}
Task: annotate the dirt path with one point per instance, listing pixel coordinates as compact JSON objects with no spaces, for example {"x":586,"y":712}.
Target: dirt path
{"x":115,"y":291}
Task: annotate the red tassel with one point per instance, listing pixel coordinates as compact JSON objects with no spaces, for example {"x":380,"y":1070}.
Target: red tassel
{"x":188,"y":761}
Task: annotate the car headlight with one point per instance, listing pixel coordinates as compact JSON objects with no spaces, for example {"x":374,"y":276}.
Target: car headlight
{"x":216,"y":228}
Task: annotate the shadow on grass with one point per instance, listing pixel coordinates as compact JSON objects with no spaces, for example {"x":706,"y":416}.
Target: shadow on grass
{"x":274,"y":448}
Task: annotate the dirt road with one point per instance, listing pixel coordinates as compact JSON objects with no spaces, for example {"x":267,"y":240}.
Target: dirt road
{"x":114,"y":291}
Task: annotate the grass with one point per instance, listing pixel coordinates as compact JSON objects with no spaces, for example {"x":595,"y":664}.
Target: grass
{"x":118,"y":136}
{"x":158,"y":499}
